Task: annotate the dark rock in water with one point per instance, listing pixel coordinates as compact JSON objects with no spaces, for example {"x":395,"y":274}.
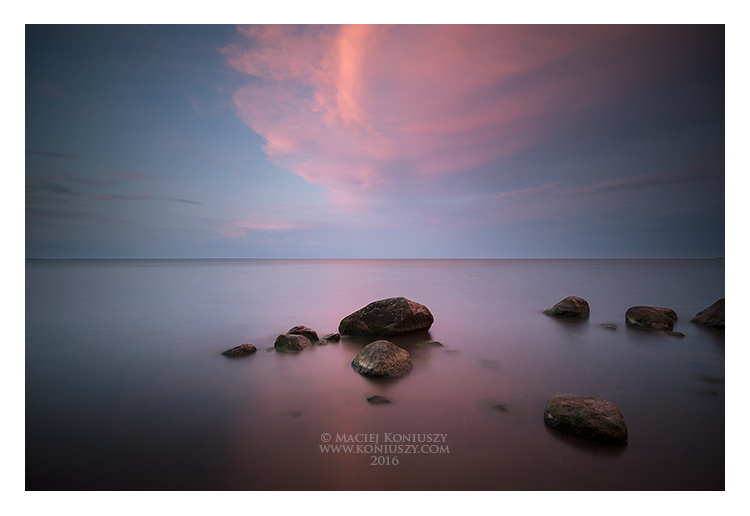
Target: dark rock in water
{"x":387,"y":317}
{"x":378,"y":400}
{"x":291,"y":343}
{"x":332,"y":337}
{"x":382,"y":358}
{"x":240,"y":351}
{"x":571,"y":306}
{"x":304,"y":330}
{"x":429,"y":343}
{"x":321,"y":342}
{"x":501,"y":408}
{"x":650,"y":317}
{"x":591,"y":418}
{"x":612,"y":327}
{"x":712,"y":316}
{"x":677,"y":334}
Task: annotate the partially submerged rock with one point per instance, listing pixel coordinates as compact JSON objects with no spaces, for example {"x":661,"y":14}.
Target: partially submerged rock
{"x":382,"y":358}
{"x":712,"y":316}
{"x":571,"y":306}
{"x":378,"y":400}
{"x":429,"y":344}
{"x":387,"y":317}
{"x":590,"y":418}
{"x":240,"y":351}
{"x":650,"y":317}
{"x":332,"y":337}
{"x":311,"y":335}
{"x":291,"y":343}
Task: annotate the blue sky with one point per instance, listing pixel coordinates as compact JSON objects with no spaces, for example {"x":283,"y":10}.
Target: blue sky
{"x":374,"y":141}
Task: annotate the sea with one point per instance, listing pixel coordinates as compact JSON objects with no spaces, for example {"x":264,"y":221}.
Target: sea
{"x":127,"y":389}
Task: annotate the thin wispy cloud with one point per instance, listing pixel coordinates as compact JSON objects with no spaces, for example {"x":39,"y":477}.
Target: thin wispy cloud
{"x":238,"y":227}
{"x":61,"y":155}
{"x":141,"y":197}
{"x":529,"y":192}
{"x":648,"y":180}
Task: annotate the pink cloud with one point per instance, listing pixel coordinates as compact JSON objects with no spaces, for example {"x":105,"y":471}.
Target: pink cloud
{"x":361,"y":108}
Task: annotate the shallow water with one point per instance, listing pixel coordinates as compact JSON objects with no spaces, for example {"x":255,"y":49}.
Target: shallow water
{"x":126,"y":388}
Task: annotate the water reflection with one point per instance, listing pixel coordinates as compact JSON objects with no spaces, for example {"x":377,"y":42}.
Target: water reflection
{"x":130,"y":392}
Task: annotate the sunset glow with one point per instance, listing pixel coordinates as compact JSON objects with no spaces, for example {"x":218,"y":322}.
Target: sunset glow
{"x":397,"y":141}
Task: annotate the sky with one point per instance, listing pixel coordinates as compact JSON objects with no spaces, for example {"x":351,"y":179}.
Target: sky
{"x":374,"y":141}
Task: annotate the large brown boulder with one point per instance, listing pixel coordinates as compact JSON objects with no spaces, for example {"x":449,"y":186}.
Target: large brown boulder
{"x":386,"y":318}
{"x":382,"y":358}
{"x":650,"y":317}
{"x":291,"y":343}
{"x":712,"y":316}
{"x":591,"y":418}
{"x":571,"y":306}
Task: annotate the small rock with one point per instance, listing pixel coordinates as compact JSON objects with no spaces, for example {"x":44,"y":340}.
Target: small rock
{"x":382,"y":358}
{"x":612,"y":327}
{"x":304,"y":330}
{"x":332,"y":337}
{"x":291,"y":343}
{"x":429,"y":343}
{"x":712,"y":316}
{"x":321,"y":342}
{"x":387,"y":317}
{"x":650,"y":317}
{"x":378,"y":400}
{"x":240,"y":351}
{"x":501,"y":408}
{"x":571,"y":306}
{"x":591,"y":418}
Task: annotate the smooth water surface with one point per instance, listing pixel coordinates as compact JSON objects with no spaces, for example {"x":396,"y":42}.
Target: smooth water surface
{"x":126,"y":388}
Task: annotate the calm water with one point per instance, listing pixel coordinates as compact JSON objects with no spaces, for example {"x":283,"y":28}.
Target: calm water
{"x":126,"y":388}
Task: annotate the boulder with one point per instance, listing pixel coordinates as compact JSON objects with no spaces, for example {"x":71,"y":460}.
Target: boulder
{"x":382,"y":358}
{"x":304,"y":330}
{"x":387,"y":317}
{"x":240,"y":351}
{"x":650,"y":317}
{"x":291,"y":343}
{"x":571,"y":306}
{"x":590,"y":418}
{"x":712,"y":316}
